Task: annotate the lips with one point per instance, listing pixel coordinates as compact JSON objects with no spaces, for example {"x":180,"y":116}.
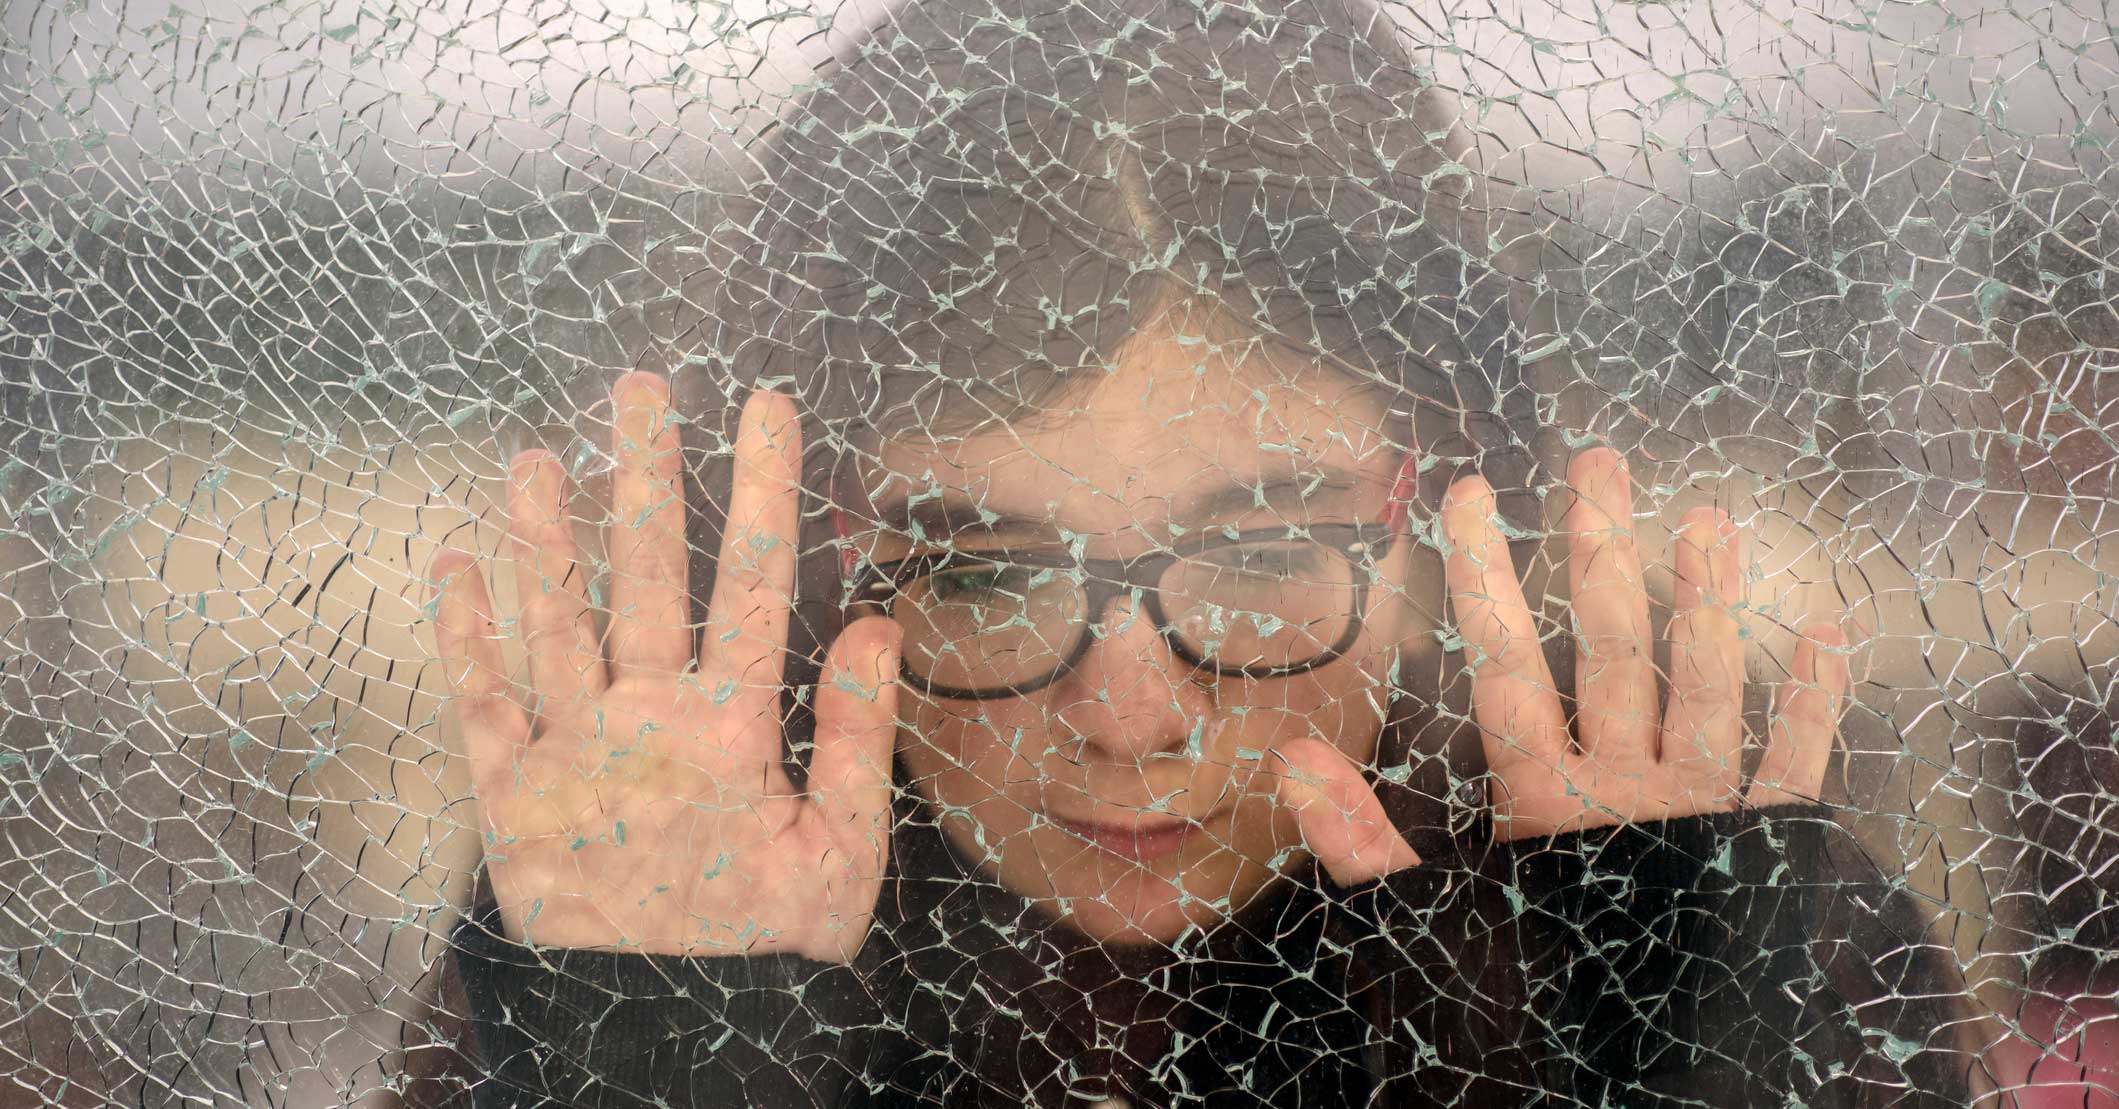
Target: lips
{"x":1140,"y":840}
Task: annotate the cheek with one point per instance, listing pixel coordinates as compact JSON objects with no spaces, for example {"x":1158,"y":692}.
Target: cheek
{"x":1342,"y":704}
{"x":988,"y":766}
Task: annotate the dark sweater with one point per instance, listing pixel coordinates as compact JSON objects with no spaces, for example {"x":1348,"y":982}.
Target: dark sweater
{"x":1741,"y":959}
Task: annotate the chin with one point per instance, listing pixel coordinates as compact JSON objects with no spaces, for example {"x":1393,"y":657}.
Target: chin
{"x":1144,"y":907}
{"x":1130,"y":915}
{"x":1119,"y":901}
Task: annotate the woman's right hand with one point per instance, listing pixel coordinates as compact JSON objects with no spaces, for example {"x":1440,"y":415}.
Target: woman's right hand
{"x":640,"y":802}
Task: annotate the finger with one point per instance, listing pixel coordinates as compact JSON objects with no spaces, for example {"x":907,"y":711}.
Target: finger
{"x":1615,"y":681}
{"x":745,"y":639}
{"x":1800,"y":738}
{"x":495,"y":728}
{"x":1703,"y":729}
{"x":650,"y":562}
{"x":566,"y":663}
{"x":1514,"y":700}
{"x":857,"y":724}
{"x":1342,"y":820}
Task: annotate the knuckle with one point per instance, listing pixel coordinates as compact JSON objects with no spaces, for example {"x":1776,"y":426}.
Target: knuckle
{"x":546,"y":536}
{"x":1509,"y":651}
{"x":548,"y":608}
{"x":655,"y":563}
{"x":1600,"y":543}
{"x":1707,"y":671}
{"x":1711,"y":700}
{"x":1712,"y":616}
{"x":1617,"y":649}
{"x":742,"y":570}
{"x":1818,"y":717}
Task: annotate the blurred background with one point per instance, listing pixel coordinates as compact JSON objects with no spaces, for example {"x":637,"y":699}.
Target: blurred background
{"x":283,"y":286}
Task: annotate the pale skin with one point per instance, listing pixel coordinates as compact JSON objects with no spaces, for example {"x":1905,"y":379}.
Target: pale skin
{"x":642,"y":806}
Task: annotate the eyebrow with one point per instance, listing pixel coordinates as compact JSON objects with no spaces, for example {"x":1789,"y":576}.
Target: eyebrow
{"x":952,"y":514}
{"x":1328,"y":484}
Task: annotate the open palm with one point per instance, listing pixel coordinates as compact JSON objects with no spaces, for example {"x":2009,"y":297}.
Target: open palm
{"x":1628,"y":759}
{"x":642,"y":801}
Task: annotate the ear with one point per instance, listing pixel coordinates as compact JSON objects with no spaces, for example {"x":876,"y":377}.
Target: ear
{"x":1408,"y":552}
{"x":840,"y":526}
{"x":1403,"y":489}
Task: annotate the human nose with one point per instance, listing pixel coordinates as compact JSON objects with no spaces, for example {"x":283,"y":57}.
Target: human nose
{"x":1130,"y":696}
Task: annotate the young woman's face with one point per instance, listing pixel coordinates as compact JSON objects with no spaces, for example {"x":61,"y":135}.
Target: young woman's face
{"x":1127,"y":795}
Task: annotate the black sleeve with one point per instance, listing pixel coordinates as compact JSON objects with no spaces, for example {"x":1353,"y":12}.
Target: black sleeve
{"x":1743,"y":958}
{"x":576,"y":1027}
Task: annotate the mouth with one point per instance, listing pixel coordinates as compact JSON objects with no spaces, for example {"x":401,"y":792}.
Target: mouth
{"x":1140,"y":840}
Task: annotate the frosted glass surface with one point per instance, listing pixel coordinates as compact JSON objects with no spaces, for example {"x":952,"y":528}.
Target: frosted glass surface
{"x":285,"y":290}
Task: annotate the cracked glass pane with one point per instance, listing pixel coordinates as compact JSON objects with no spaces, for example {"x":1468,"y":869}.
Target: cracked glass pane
{"x":1039,"y":553}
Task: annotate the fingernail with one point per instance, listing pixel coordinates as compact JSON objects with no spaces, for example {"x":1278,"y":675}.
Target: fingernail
{"x":1709,"y":533}
{"x":532,"y":475}
{"x":641,"y":422}
{"x":1617,"y":474}
{"x":436,"y":573}
{"x":641,"y":398}
{"x":887,"y":665}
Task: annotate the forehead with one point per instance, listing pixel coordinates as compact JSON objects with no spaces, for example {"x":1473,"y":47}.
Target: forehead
{"x":1170,"y":419}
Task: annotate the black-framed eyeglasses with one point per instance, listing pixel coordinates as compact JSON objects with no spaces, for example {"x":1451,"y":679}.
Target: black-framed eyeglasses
{"x":1265,"y":603}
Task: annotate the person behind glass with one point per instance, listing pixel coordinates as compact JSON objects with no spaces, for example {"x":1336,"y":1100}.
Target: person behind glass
{"x":1113,"y":313}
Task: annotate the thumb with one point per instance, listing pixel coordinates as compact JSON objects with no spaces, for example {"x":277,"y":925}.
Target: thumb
{"x":1342,"y":820}
{"x":857,"y":724}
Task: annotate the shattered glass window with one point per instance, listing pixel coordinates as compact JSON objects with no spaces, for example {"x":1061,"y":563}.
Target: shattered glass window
{"x":1058,"y":552}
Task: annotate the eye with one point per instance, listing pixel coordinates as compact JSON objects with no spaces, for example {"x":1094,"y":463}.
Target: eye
{"x":967,"y":583}
{"x":1266,"y":560}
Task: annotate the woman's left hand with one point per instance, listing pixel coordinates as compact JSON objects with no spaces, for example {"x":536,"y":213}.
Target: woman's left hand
{"x":1625,"y":760}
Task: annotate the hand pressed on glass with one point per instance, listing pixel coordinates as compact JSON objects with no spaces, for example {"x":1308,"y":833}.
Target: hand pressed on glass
{"x":1633,"y":762}
{"x":645,"y":806}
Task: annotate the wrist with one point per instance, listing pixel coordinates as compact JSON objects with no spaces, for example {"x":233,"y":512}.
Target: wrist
{"x":580,"y":924}
{"x":1588,"y":821}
